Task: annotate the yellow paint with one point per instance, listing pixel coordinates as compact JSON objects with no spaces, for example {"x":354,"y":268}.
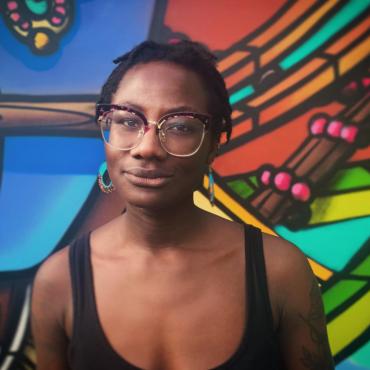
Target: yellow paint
{"x":353,"y":57}
{"x":202,"y":202}
{"x":340,"y":207}
{"x":41,"y":39}
{"x":320,"y":271}
{"x":234,"y":207}
{"x":44,"y":23}
{"x":346,"y":327}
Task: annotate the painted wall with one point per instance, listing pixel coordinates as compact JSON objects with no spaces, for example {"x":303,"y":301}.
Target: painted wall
{"x":297,"y":164}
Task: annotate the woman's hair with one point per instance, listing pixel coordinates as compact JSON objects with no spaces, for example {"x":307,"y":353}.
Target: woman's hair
{"x":191,"y":55}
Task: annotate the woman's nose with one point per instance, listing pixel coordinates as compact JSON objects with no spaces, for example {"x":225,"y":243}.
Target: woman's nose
{"x":149,"y":145}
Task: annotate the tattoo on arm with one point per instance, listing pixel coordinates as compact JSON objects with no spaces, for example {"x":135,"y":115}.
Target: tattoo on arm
{"x":319,"y":357}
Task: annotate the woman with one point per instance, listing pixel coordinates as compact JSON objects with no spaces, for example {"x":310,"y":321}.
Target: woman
{"x":167,"y":285}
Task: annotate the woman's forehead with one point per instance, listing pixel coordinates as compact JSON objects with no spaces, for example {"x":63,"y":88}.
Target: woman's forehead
{"x":160,"y":81}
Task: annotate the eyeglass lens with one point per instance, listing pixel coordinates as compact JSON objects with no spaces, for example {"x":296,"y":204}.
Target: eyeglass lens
{"x":179,"y":135}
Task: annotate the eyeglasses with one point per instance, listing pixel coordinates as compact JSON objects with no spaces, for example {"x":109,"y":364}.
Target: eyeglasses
{"x":181,"y":134}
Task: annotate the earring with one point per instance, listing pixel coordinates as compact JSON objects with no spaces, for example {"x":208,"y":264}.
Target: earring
{"x":103,"y":173}
{"x":211,"y":186}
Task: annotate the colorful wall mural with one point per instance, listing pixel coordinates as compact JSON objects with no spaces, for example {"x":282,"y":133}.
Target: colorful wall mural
{"x":297,"y":165}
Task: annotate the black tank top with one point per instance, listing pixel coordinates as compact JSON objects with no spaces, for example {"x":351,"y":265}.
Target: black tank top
{"x":89,"y":348}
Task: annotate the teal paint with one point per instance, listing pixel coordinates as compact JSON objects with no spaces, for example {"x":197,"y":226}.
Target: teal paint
{"x":37,"y":7}
{"x":241,"y":94}
{"x":331,"y":245}
{"x":344,"y":16}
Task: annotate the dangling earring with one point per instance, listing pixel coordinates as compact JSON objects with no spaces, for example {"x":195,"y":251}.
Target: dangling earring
{"x":103,"y":173}
{"x":211,"y":186}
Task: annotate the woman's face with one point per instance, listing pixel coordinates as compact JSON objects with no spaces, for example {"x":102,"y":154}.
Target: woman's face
{"x":147,"y":176}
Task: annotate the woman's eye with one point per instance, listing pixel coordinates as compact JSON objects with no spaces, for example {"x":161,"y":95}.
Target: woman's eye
{"x":128,"y":123}
{"x":179,"y":128}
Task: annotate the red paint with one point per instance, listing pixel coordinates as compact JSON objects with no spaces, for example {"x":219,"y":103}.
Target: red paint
{"x":301,"y":191}
{"x":283,"y":180}
{"x":318,"y":125}
{"x":220,"y":23}
{"x":15,"y":17}
{"x":12,"y":5}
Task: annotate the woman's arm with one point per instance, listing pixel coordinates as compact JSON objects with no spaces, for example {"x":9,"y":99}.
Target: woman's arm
{"x":302,"y":327}
{"x":47,"y":313}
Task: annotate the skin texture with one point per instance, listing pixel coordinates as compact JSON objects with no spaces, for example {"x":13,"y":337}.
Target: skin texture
{"x":169,"y":279}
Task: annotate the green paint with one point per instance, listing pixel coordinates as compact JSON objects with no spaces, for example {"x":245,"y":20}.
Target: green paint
{"x":344,"y":16}
{"x":351,"y":178}
{"x":37,"y":7}
{"x":363,"y":268}
{"x":241,"y":188}
{"x":332,"y":245}
{"x":253,"y":180}
{"x":340,"y":292}
{"x":241,"y":94}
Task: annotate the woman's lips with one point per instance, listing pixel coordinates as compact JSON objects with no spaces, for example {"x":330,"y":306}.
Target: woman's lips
{"x":147,"y":177}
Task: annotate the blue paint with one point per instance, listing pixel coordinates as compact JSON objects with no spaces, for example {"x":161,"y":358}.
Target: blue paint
{"x":102,"y":31}
{"x":39,"y":204}
{"x":332,"y":245}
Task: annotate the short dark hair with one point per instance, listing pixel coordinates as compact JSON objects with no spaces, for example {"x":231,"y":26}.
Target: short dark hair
{"x":189,"y":54}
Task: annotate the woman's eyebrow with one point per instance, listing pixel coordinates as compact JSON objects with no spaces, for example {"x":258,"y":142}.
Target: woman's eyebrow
{"x":175,"y":109}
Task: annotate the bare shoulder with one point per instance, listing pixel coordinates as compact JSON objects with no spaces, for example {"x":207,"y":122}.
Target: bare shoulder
{"x":52,"y":283}
{"x":50,"y":298}
{"x":283,"y":259}
{"x":54,"y":271}
{"x":287,"y":267}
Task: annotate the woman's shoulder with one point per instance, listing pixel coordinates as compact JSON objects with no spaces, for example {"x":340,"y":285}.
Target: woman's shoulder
{"x":52,"y":277}
{"x":282,"y":256}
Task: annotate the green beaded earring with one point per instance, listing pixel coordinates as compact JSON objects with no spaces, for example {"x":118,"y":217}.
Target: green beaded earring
{"x":211,"y":186}
{"x":105,"y":187}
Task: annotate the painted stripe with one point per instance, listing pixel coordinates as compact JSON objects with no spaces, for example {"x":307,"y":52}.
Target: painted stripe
{"x":343,"y":17}
{"x":289,"y":81}
{"x":354,"y":57}
{"x":345,"y":328}
{"x":241,"y":94}
{"x":319,"y":270}
{"x":340,"y":207}
{"x":295,"y":11}
{"x":202,"y":202}
{"x":298,"y":96}
{"x":347,"y":39}
{"x":237,"y":209}
{"x":341,"y":292}
{"x":231,"y":59}
{"x":296,"y":34}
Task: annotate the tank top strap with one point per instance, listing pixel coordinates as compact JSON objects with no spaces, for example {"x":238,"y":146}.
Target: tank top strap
{"x":82,"y":285}
{"x":258,"y":294}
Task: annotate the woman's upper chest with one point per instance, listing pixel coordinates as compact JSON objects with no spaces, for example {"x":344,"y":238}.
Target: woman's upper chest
{"x":156,"y":312}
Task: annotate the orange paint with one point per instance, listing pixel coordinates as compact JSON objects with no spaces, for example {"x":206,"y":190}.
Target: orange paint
{"x":296,"y":34}
{"x":297,"y":97}
{"x":242,"y":128}
{"x":295,"y":11}
{"x":236,"y":113}
{"x":361,"y":155}
{"x":348,"y":38}
{"x":231,"y":59}
{"x":354,"y":56}
{"x":240,"y":74}
{"x":273,"y":147}
{"x":291,"y":80}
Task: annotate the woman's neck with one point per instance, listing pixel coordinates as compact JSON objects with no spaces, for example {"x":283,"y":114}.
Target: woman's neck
{"x":162,"y":228}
